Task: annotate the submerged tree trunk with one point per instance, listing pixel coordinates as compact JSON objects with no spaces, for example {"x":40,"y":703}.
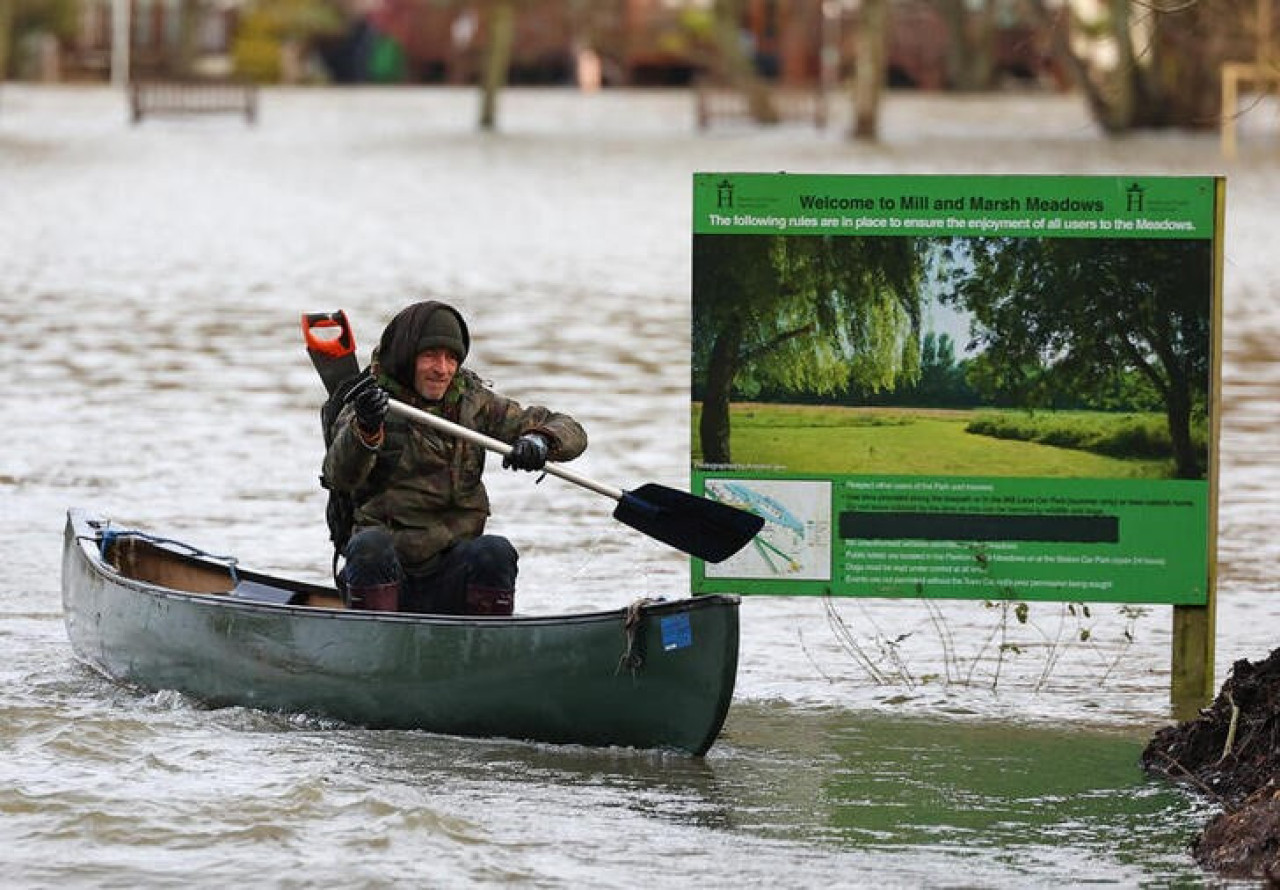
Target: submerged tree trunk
{"x":1127,"y":83}
{"x":183,"y":62}
{"x":1167,"y":61}
{"x":738,"y":65}
{"x":6,"y":36}
{"x":502,"y":27}
{"x":868,"y":80}
{"x":971,"y":49}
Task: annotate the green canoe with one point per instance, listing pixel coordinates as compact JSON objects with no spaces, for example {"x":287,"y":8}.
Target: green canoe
{"x":161,"y":615}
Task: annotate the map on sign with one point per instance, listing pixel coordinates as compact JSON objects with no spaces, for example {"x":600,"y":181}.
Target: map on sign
{"x":795,"y":542}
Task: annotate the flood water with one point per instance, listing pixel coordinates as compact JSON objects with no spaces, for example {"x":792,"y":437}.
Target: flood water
{"x":151,"y":281}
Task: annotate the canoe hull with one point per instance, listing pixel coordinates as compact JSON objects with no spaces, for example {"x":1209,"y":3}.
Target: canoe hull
{"x":560,"y":679}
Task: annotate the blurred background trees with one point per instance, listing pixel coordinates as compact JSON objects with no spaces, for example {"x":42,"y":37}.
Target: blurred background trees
{"x":1136,"y":64}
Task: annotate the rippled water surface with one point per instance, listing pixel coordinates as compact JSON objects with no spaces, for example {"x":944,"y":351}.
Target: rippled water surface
{"x":151,"y":280}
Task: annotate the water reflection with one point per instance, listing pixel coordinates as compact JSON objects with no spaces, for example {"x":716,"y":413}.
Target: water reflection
{"x":872,"y":782}
{"x":848,"y":783}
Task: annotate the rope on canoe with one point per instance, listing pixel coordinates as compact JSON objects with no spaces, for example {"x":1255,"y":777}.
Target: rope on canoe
{"x":110,"y":536}
{"x":633,"y":656}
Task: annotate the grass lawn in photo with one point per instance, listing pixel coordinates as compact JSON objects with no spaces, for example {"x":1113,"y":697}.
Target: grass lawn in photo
{"x":826,"y":439}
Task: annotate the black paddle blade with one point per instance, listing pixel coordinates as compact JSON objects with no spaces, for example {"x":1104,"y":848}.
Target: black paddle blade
{"x":703,"y":528}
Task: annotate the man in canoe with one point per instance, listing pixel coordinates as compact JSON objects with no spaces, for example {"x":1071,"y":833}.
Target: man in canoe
{"x":420,"y":506}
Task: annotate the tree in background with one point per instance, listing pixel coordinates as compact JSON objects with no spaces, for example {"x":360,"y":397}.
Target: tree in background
{"x":6,"y":36}
{"x":971,"y":49}
{"x":182,"y":55}
{"x":274,"y":36}
{"x":942,"y":378}
{"x":869,"y":73}
{"x":1167,"y":58}
{"x":800,"y":313}
{"x":501,"y":15}
{"x":590,"y":37}
{"x":1051,"y":315}
{"x":737,"y":62}
{"x":22,"y":18}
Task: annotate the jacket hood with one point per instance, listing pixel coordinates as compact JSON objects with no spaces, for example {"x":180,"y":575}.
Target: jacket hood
{"x":416,"y":327}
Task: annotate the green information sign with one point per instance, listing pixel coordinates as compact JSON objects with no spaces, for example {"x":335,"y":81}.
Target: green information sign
{"x":959,"y":386}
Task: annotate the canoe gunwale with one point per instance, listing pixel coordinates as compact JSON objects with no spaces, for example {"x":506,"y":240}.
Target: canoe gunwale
{"x":81,"y":523}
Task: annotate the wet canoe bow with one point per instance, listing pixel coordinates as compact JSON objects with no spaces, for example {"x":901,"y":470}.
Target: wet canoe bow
{"x":161,"y":615}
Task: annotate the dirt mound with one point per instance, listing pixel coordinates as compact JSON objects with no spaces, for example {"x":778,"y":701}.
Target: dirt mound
{"x":1244,"y":842}
{"x":1231,"y":753}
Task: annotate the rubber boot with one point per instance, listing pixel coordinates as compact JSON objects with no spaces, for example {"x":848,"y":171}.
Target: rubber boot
{"x":376,"y":598}
{"x":489,"y":600}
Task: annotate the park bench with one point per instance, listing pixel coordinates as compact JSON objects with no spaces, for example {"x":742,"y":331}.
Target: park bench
{"x":173,"y":98}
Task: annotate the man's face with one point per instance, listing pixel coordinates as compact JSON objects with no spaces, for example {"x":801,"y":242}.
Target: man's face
{"x":433,"y":372}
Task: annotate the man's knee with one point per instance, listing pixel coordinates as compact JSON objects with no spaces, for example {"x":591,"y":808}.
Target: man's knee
{"x":371,"y":559}
{"x":492,"y":561}
{"x":490,"y":576}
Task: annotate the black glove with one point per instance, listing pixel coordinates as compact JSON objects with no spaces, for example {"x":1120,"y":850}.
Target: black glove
{"x":370,"y":402}
{"x":529,"y":452}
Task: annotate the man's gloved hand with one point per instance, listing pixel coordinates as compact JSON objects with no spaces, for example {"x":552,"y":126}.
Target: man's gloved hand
{"x":529,"y":452}
{"x":370,"y":402}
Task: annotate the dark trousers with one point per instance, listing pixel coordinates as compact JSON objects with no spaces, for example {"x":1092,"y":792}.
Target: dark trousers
{"x":473,"y":577}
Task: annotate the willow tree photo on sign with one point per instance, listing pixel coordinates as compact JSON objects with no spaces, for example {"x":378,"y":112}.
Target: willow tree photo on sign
{"x":807,"y":314}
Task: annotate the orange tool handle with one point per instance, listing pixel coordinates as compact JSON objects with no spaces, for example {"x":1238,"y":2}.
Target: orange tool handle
{"x":328,"y":333}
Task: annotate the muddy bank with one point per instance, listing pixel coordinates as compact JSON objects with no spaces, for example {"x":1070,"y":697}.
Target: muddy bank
{"x":1231,"y":754}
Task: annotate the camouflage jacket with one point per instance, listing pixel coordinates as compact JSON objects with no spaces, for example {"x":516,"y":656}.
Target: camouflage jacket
{"x":425,"y":487}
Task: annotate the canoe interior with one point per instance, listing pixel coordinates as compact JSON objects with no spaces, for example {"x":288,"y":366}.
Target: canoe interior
{"x":151,"y":562}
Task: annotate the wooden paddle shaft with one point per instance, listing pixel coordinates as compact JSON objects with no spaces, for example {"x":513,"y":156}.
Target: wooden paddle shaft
{"x":461,"y":432}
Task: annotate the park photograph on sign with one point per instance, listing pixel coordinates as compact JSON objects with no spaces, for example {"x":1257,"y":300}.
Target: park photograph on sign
{"x":972,"y":387}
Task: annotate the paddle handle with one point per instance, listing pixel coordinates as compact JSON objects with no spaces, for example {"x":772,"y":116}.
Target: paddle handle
{"x":450,"y":428}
